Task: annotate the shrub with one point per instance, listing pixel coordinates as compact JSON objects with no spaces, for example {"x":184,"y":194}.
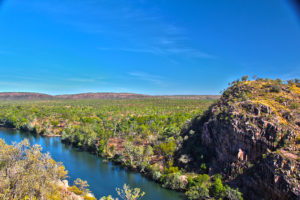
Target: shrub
{"x":260,"y":79}
{"x":173,"y":181}
{"x":244,"y":78}
{"x":191,"y":181}
{"x":291,"y":82}
{"x":198,"y":187}
{"x":275,"y":88}
{"x":279,"y":81}
{"x":86,"y":197}
{"x":75,"y":190}
{"x":203,"y":167}
{"x":156,"y":175}
{"x":118,"y":158}
{"x":171,"y":170}
{"x":294,"y":105}
{"x":166,"y":149}
{"x":82,"y":185}
{"x":198,"y":192}
{"x":128,"y":193}
{"x":218,"y":190}
{"x":203,"y":179}
{"x":233,"y":194}
{"x":107,"y":198}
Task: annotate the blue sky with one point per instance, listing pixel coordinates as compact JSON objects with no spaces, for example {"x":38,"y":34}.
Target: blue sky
{"x":144,"y":46}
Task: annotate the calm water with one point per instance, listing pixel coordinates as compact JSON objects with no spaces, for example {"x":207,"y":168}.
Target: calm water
{"x":103,"y":177}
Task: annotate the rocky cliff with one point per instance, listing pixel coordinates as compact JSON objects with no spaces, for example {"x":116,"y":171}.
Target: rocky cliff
{"x":251,"y":136}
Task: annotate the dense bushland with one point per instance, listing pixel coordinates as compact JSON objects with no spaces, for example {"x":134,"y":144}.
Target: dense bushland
{"x":141,"y":134}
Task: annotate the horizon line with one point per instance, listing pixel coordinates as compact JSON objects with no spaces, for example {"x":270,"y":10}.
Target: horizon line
{"x":113,"y":93}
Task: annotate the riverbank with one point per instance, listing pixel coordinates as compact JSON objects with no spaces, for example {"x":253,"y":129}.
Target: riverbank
{"x":103,"y":177}
{"x":176,"y":181}
{"x":117,"y":160}
{"x":153,"y":174}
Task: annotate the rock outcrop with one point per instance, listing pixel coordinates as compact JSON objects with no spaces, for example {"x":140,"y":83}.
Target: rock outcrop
{"x":251,"y":136}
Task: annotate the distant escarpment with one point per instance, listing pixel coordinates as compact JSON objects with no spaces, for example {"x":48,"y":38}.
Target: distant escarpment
{"x":8,"y":96}
{"x":23,"y":96}
{"x":252,"y":137}
{"x":105,"y":95}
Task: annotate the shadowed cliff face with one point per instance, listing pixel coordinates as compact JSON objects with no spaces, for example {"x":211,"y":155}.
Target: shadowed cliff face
{"x":252,"y":131}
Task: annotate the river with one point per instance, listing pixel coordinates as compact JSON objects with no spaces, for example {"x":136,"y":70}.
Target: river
{"x":103,"y":177}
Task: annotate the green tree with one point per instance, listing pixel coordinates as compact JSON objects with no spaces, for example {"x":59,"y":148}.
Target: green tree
{"x":199,"y":187}
{"x":233,"y":194}
{"x":218,"y":189}
{"x":198,"y":192}
{"x":244,"y":78}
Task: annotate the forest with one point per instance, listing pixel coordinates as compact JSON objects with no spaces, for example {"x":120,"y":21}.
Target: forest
{"x":139,"y":134}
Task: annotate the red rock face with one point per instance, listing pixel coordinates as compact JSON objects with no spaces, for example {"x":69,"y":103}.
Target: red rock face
{"x":252,"y":144}
{"x":274,"y":178}
{"x":244,"y":138}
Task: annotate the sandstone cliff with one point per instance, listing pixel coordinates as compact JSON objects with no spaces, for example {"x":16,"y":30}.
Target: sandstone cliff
{"x":251,"y":136}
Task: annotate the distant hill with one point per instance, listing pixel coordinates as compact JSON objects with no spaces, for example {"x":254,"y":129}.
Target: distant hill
{"x":23,"y":96}
{"x":102,"y":96}
{"x":106,"y":95}
{"x":202,"y":97}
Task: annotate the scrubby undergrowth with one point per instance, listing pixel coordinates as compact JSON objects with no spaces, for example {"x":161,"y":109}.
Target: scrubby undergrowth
{"x":26,"y":173}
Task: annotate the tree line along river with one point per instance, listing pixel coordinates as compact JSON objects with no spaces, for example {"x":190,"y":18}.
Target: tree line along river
{"x":103,"y":177}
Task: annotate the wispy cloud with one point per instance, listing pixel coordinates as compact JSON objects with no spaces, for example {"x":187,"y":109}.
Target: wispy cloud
{"x":160,"y":37}
{"x":127,"y":21}
{"x":82,"y":80}
{"x":189,"y":52}
{"x":147,"y":77}
{"x":135,"y":50}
